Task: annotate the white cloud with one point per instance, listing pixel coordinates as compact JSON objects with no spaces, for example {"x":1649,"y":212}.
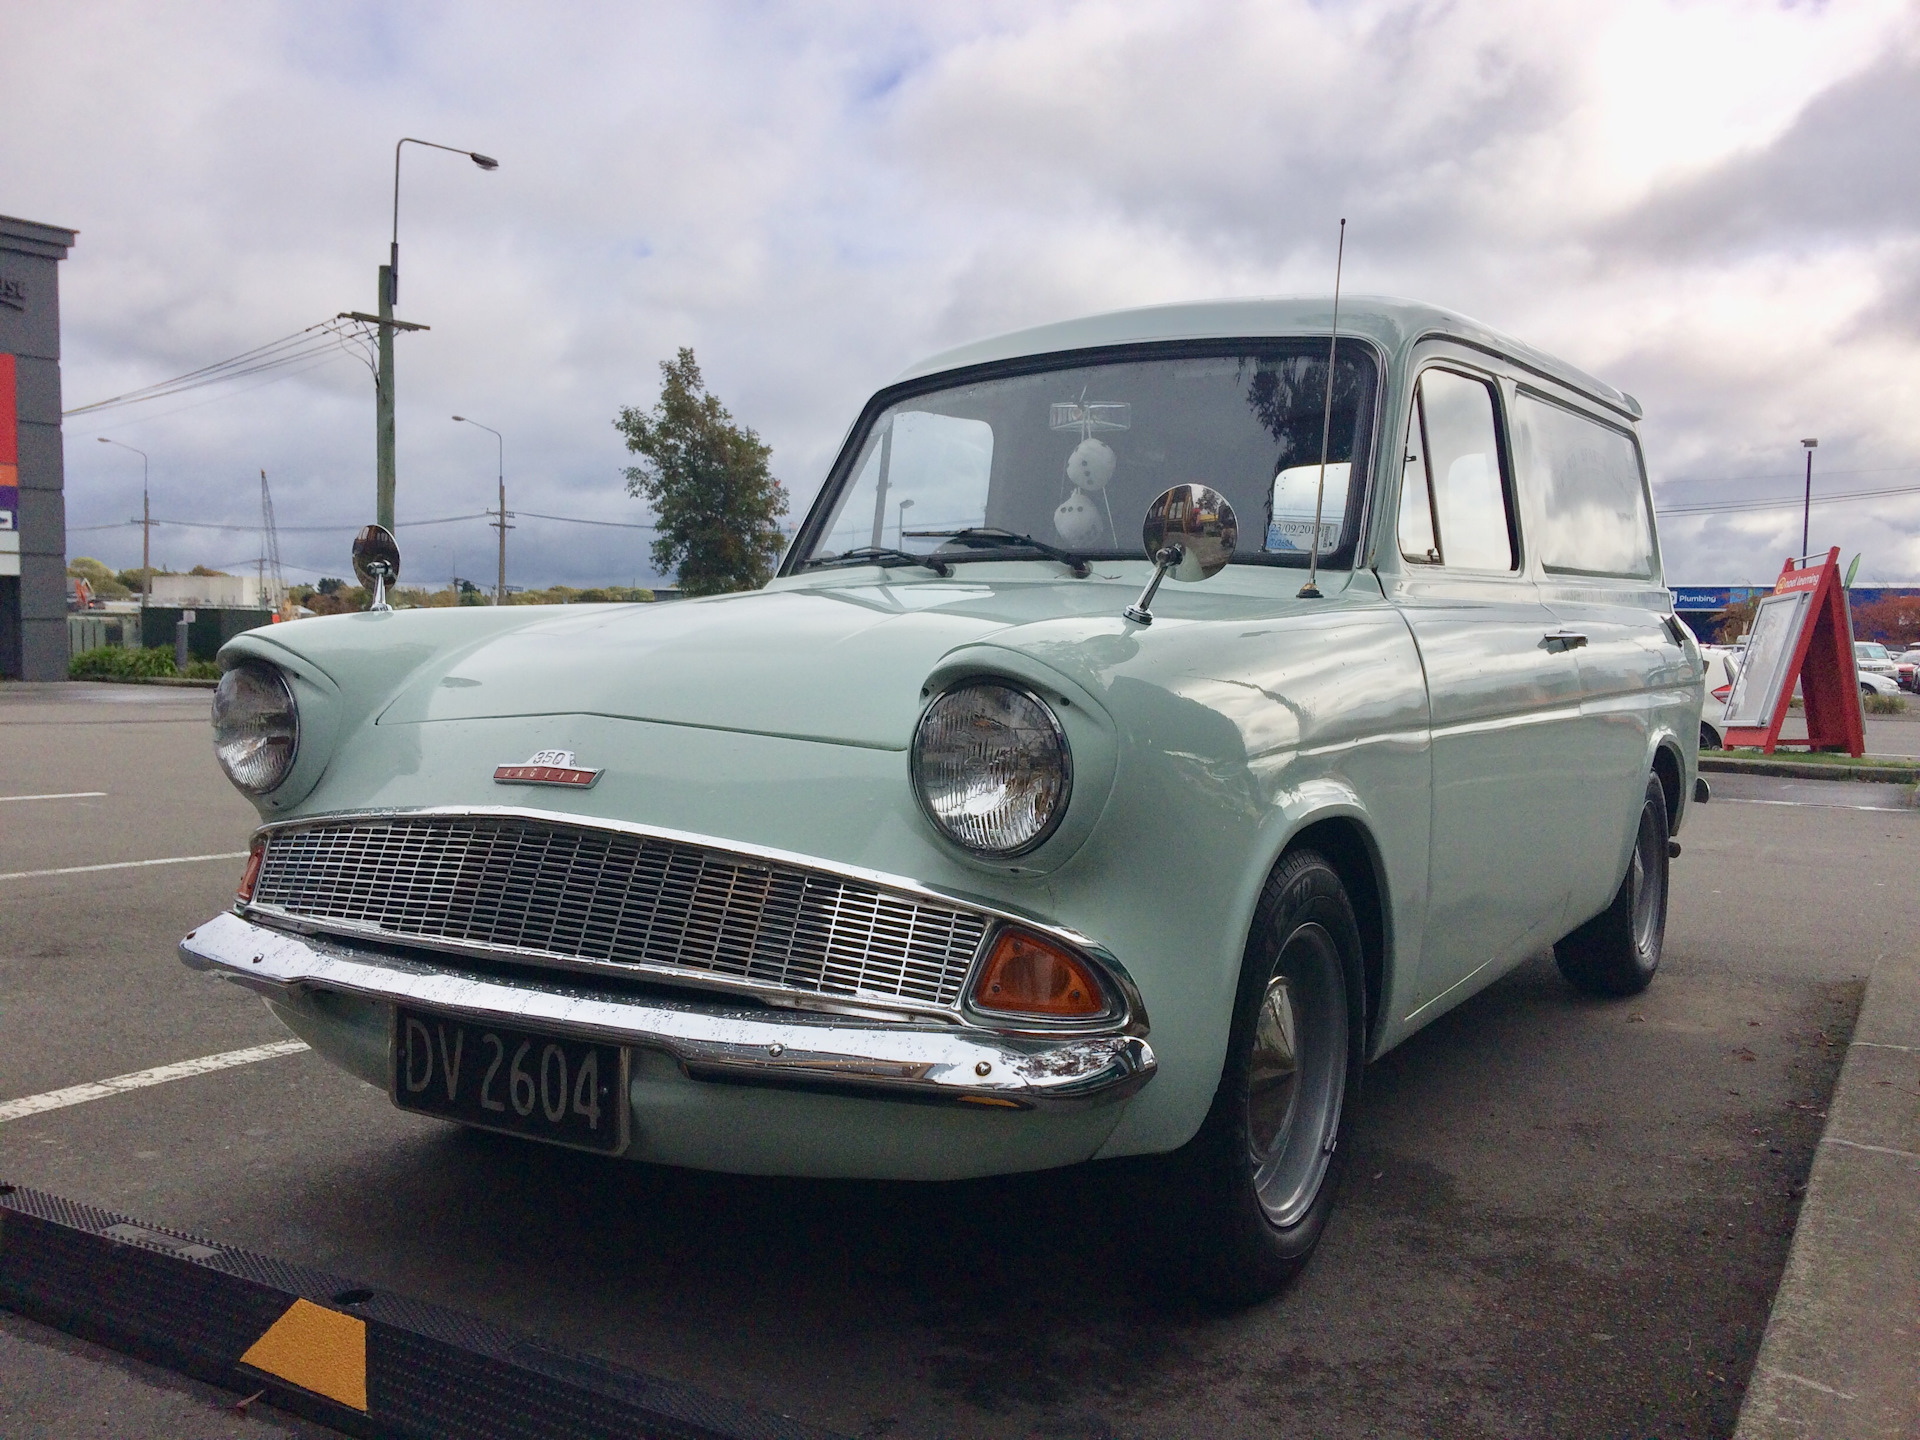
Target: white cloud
{"x":1676,"y":196}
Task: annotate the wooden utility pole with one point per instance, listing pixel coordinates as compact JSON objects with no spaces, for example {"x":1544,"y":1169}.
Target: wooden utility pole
{"x":383,"y":393}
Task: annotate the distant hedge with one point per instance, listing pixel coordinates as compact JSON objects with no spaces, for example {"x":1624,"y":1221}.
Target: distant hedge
{"x":113,"y":663}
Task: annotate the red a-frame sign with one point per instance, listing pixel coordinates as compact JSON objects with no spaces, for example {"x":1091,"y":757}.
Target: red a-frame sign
{"x":1803,"y":631}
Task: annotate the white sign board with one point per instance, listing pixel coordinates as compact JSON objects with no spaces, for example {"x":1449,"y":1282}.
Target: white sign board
{"x":1776,"y":630}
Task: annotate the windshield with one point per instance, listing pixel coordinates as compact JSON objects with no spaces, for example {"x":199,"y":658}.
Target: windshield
{"x":1868,"y":651}
{"x":1070,"y":456}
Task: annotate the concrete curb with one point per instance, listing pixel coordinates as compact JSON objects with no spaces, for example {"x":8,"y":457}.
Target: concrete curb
{"x":1887,"y":773}
{"x":177,"y":681}
{"x":1841,"y":1356}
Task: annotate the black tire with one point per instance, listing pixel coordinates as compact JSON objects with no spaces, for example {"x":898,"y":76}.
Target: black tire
{"x":1255,"y":1186}
{"x":1618,"y":950}
{"x":1710,"y":737}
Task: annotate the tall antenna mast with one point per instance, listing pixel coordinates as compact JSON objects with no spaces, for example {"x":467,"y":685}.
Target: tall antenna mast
{"x":270,"y":559}
{"x":1311,"y":591}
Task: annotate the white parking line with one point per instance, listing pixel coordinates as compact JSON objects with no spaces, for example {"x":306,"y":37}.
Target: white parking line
{"x":122,"y":865}
{"x":68,"y":795}
{"x":1800,"y":804}
{"x":140,"y":1079}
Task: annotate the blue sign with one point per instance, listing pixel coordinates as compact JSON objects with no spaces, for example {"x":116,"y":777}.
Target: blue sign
{"x":1716,"y":598}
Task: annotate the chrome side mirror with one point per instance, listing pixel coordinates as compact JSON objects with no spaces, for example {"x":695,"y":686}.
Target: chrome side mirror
{"x":1190,"y":533}
{"x":376,"y":560}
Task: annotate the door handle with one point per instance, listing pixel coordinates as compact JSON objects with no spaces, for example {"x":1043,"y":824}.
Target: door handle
{"x":1563,"y":640}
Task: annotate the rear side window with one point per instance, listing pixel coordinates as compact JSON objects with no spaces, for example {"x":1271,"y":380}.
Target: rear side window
{"x":1453,"y":499}
{"x":1590,"y":486}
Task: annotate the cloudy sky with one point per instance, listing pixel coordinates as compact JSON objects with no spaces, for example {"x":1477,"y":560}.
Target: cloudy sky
{"x":1715,"y":206}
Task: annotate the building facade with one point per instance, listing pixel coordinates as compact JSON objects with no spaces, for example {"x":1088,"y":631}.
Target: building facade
{"x":1698,"y":605}
{"x":33,"y":515}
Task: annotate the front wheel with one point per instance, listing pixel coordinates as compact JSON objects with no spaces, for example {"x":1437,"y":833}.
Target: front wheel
{"x":1617,"y":952}
{"x":1259,"y":1180}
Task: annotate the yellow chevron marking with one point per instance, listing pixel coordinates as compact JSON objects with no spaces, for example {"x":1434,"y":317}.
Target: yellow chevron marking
{"x":317,"y":1349}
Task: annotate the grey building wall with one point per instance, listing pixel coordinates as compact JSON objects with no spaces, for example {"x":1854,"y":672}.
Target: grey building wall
{"x":33,"y":608}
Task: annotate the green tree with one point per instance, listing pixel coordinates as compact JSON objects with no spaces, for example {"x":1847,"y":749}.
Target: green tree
{"x":716,"y":503}
{"x":106,"y":585}
{"x":1736,"y":620}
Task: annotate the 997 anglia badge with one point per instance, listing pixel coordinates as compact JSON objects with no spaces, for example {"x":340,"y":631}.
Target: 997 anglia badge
{"x":547,"y":767}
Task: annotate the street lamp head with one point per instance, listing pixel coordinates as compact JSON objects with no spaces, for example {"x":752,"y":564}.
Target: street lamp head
{"x":1809,"y":443}
{"x":485,"y":162}
{"x":461,"y":419}
{"x":103,"y":439}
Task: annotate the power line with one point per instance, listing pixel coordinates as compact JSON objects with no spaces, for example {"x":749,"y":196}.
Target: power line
{"x":342,"y":528}
{"x":1728,"y":507}
{"x":303,"y":345}
{"x":1783,"y":475}
{"x":148,"y":417}
{"x":582,"y":520}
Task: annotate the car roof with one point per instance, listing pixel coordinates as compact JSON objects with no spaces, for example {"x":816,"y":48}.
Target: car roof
{"x":1394,"y":324}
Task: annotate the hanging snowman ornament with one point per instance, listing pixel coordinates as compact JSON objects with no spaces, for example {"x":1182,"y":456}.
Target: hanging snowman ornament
{"x":1089,"y":468}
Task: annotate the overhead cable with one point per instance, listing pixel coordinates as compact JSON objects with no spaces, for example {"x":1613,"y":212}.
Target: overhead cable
{"x":303,"y":345}
{"x":1787,"y":502}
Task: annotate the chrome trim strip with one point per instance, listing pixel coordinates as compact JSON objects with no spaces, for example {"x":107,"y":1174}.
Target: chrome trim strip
{"x":709,"y":1042}
{"x":1131,"y":1016}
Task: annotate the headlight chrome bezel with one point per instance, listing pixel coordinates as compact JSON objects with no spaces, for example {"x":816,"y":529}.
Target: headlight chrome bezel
{"x":283,"y":739}
{"x":1050,"y":728}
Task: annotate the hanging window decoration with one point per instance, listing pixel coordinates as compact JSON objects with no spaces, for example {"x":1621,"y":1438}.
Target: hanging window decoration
{"x":1089,"y":467}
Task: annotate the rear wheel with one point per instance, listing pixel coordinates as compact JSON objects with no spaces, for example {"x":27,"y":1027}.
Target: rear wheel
{"x":1259,"y":1180}
{"x":1617,"y":952}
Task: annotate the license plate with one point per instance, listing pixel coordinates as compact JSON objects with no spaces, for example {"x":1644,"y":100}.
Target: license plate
{"x":546,"y":1087}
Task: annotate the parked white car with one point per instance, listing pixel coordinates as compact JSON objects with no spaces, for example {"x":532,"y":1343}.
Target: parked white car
{"x":1871,"y":657}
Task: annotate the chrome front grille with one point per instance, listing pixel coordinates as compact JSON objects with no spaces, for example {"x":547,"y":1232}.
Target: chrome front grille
{"x":537,"y":889}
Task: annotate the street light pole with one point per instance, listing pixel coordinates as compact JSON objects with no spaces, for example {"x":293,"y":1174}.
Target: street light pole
{"x":146,"y":525}
{"x":1806,"y":507}
{"x":501,"y":517}
{"x":389,"y":297}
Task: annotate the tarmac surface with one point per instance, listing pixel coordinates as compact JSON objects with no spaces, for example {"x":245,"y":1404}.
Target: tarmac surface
{"x":1562,"y":1216}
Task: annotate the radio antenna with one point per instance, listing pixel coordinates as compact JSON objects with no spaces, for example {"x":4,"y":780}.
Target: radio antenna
{"x":1311,"y":591}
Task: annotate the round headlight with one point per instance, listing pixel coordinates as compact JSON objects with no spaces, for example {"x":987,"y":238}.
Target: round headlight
{"x":256,"y":727}
{"x":992,"y":768}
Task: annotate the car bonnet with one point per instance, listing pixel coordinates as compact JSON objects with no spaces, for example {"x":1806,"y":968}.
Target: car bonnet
{"x":842,"y":664}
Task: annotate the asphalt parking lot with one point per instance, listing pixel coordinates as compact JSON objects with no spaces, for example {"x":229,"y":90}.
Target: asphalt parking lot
{"x":1563,"y":1217}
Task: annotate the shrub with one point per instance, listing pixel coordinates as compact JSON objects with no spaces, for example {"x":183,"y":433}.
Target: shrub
{"x":113,"y":663}
{"x":1884,"y":704}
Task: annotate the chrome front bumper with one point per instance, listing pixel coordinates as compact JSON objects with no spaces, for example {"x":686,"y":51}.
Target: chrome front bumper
{"x":710,"y":1041}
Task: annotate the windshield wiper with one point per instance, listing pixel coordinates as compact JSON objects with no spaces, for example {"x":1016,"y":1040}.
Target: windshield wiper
{"x":885,"y":556}
{"x":989,"y":542}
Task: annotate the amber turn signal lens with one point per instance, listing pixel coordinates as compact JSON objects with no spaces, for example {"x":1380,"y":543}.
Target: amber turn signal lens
{"x":252,"y":873}
{"x":1025,"y":975}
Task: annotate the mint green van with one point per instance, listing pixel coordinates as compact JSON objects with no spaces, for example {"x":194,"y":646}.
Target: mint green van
{"x":1157,"y":717}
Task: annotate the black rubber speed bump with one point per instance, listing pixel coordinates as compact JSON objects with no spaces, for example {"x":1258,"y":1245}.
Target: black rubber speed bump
{"x":362,"y":1360}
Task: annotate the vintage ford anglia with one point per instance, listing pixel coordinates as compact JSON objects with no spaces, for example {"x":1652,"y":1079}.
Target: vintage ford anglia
{"x":967,"y":847}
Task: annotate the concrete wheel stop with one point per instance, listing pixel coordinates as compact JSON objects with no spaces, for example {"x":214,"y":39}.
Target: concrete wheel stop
{"x":364,"y":1361}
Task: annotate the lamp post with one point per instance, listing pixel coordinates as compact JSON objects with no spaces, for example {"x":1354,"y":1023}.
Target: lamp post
{"x":500,"y":515}
{"x":1806,"y":508}
{"x":389,"y":297}
{"x":905,"y":505}
{"x":146,"y":524}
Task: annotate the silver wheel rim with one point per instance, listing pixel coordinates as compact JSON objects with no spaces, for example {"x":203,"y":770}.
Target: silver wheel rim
{"x":1649,"y":883}
{"x":1297,"y":1075}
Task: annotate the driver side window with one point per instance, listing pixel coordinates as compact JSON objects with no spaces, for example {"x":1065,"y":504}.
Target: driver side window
{"x":1454,"y":506}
